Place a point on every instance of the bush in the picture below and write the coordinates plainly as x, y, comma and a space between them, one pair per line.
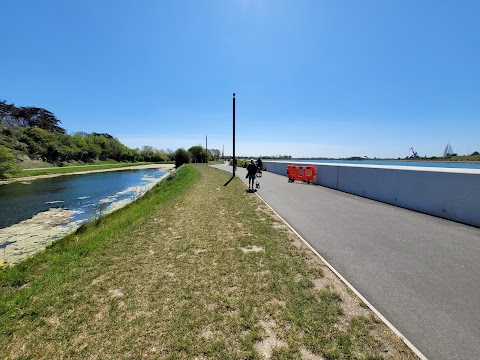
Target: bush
243, 163
8, 163
181, 157
240, 162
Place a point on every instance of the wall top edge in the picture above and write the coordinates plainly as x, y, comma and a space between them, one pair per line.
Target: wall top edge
389, 167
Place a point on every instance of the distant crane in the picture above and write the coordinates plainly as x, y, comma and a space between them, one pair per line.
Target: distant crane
415, 155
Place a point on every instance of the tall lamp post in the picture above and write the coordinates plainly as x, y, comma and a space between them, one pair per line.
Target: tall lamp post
234, 159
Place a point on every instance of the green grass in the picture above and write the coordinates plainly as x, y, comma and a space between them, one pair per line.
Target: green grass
474, 158
194, 269
72, 169
466, 158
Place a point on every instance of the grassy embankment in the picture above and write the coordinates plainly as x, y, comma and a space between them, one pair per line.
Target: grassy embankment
191, 270
455, 158
73, 169
467, 158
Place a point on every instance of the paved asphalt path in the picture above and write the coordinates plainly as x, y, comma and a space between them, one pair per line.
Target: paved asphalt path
420, 272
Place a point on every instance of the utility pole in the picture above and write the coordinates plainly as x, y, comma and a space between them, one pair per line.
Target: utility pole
206, 149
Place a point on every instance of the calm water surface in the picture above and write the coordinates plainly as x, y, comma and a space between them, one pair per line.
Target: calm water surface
445, 164
21, 200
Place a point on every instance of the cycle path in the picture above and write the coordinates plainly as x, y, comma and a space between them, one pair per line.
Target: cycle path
422, 273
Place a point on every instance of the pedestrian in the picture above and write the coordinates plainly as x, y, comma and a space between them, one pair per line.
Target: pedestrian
251, 172
259, 167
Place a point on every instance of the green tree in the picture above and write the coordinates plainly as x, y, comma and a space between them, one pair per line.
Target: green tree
134, 155
147, 152
93, 150
81, 147
161, 155
15, 139
38, 142
197, 154
43, 119
170, 154
35, 132
181, 157
101, 141
8, 163
13, 116
6, 118
114, 149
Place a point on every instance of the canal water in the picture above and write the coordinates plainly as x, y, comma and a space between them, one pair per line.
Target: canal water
35, 213
83, 193
435, 164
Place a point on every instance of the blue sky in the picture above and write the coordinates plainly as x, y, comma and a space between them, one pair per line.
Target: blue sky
332, 78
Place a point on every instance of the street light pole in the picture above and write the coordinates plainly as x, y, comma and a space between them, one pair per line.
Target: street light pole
234, 159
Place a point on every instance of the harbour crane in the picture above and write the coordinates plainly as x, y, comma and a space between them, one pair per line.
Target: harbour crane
415, 155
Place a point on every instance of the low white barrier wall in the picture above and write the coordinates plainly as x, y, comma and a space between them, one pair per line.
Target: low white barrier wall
444, 192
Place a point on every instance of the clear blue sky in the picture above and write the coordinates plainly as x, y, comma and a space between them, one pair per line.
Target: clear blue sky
332, 78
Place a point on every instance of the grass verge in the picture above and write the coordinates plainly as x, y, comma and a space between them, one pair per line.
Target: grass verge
73, 169
192, 270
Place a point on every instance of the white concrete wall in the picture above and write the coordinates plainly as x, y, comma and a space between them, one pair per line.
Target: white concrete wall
444, 192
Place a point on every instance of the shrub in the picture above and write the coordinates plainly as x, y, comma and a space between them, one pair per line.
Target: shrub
8, 163
181, 157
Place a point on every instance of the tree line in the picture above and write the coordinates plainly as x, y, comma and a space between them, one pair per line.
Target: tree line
35, 133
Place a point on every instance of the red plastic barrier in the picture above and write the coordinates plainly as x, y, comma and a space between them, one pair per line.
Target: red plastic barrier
304, 173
